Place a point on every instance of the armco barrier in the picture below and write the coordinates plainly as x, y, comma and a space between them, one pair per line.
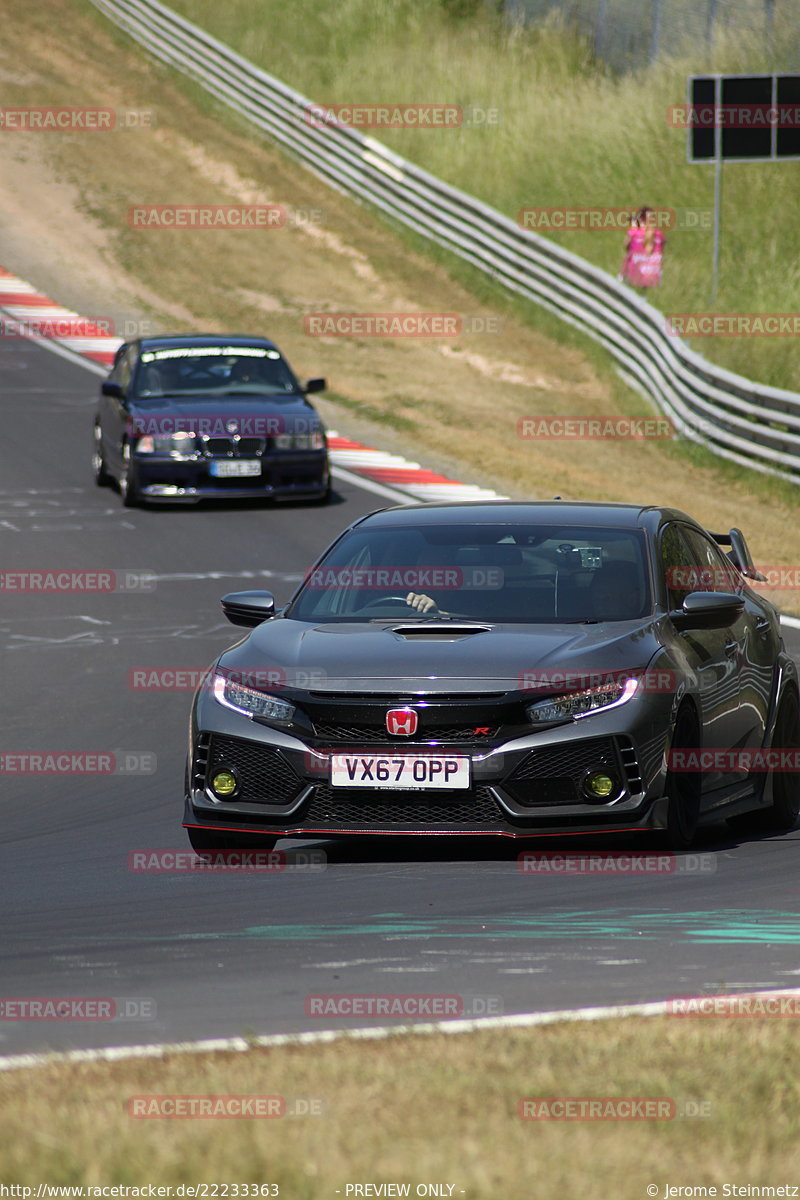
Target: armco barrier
752, 424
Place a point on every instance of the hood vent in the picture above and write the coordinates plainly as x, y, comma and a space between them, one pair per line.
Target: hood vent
444, 631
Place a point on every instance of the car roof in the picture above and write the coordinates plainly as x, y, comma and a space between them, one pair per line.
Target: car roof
517, 512
204, 339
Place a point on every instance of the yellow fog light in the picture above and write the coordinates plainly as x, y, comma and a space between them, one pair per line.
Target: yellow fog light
599, 786
224, 783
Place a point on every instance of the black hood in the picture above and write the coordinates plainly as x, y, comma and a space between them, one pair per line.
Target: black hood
438, 656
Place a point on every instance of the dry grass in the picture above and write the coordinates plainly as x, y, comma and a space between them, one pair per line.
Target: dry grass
452, 403
434, 1108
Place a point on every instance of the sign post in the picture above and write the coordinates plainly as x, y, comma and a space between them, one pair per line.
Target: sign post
742, 118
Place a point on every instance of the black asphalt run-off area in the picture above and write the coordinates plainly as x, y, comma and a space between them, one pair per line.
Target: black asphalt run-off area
200, 955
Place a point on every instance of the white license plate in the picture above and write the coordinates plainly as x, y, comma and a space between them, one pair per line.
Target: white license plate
407, 771
227, 468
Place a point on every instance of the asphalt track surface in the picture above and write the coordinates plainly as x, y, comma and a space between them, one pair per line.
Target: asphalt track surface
198, 955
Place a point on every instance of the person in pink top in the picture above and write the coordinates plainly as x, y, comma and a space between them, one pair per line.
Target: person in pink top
644, 251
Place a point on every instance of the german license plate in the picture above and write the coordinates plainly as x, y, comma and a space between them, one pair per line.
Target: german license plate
228, 468
406, 771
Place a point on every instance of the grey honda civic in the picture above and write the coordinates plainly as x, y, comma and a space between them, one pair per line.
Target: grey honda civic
503, 668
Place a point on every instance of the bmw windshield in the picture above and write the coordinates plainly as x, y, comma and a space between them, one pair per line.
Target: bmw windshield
525, 574
213, 371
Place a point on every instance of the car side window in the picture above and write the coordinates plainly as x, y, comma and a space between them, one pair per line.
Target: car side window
716, 573
679, 565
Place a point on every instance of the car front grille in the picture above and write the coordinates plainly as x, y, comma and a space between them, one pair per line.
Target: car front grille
377, 733
409, 809
265, 777
553, 775
236, 447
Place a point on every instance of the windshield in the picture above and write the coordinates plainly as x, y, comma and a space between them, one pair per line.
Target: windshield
213, 371
500, 573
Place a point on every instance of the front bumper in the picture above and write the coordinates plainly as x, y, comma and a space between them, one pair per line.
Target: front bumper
530, 786
284, 475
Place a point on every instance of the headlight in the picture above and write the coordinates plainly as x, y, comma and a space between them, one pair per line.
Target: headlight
178, 445
300, 441
582, 704
249, 701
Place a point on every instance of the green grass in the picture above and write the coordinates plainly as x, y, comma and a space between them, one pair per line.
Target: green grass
413, 1110
569, 132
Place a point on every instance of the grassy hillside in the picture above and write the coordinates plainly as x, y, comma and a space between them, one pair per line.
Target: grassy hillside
567, 133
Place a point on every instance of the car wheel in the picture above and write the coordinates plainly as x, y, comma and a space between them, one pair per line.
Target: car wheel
213, 839
682, 788
782, 814
127, 481
101, 475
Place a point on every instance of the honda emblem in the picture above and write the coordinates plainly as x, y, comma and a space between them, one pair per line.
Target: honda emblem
401, 722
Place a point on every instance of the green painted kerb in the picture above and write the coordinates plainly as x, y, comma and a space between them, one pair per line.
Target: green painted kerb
767, 926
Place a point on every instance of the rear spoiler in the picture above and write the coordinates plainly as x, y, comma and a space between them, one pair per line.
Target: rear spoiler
739, 553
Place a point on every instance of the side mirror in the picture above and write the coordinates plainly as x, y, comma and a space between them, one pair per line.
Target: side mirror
315, 385
112, 389
248, 608
708, 610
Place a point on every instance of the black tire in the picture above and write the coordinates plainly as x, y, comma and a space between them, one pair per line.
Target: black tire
683, 788
127, 480
203, 840
782, 814
101, 475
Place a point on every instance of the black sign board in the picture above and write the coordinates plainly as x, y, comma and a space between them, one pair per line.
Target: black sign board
745, 118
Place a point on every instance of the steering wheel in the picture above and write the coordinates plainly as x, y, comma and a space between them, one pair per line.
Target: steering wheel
384, 600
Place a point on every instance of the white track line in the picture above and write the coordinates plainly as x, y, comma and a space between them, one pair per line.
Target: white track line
656, 1008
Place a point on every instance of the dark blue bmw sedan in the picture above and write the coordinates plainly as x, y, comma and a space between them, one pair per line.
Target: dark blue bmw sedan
200, 416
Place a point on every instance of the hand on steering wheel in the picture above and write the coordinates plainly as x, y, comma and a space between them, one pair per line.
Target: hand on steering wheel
415, 600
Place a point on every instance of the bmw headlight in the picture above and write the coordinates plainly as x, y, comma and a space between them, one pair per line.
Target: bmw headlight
301, 441
583, 703
177, 445
250, 702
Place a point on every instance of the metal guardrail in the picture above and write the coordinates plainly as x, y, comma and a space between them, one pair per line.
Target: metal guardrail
750, 423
